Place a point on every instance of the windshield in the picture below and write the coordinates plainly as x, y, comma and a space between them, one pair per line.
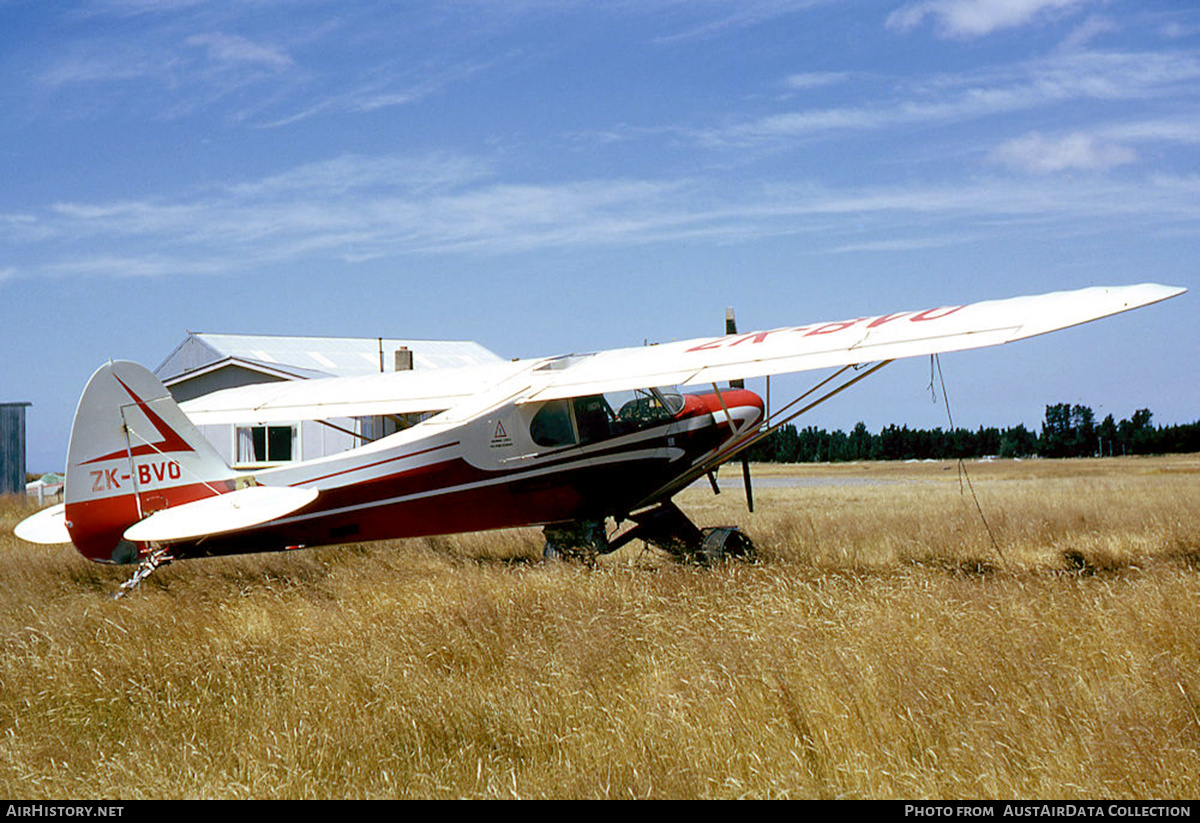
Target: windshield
645, 405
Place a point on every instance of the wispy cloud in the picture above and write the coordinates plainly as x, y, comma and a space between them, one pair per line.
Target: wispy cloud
1073, 152
167, 62
815, 79
358, 173
1183, 129
86, 66
977, 18
716, 22
162, 77
152, 265
1093, 27
1058, 79
232, 48
356, 208
384, 88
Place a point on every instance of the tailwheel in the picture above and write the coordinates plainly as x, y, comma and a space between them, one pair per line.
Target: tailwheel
155, 557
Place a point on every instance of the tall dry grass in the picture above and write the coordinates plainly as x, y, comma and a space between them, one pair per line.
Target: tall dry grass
884, 646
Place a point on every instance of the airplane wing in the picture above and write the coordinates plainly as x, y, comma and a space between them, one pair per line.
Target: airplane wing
681, 363
838, 343
326, 398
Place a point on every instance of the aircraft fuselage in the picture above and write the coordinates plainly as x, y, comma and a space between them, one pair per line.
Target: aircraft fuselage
492, 472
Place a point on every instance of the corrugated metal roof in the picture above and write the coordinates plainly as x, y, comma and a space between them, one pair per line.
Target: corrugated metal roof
323, 356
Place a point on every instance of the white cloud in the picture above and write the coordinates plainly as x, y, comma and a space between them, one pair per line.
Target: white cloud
1087, 31
356, 208
132, 266
815, 79
952, 98
232, 48
1073, 152
745, 14
1183, 129
83, 66
976, 18
339, 175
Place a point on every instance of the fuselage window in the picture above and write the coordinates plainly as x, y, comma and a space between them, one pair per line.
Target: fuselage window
552, 425
592, 419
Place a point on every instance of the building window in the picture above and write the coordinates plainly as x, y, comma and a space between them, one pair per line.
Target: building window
266, 444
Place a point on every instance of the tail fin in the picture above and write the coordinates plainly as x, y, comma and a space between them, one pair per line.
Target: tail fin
132, 452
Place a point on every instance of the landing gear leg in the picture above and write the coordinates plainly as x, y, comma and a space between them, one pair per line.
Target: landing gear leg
668, 528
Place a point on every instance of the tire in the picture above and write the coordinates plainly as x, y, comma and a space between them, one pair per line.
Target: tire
725, 543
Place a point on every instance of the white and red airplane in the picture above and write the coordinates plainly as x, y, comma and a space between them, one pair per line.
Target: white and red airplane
568, 443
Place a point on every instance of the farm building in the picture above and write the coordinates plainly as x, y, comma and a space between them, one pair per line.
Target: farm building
205, 363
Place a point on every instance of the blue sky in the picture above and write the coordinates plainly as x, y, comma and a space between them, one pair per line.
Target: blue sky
557, 176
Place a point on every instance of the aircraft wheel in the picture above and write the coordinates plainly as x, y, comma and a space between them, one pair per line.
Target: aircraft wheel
725, 543
582, 540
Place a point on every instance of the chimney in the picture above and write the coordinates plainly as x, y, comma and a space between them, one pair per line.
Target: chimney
404, 359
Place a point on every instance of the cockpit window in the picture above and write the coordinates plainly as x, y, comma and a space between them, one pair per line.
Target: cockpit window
598, 417
646, 405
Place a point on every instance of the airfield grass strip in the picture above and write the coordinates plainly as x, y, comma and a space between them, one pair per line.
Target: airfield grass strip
880, 647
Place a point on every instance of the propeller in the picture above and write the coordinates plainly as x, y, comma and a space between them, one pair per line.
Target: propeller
731, 328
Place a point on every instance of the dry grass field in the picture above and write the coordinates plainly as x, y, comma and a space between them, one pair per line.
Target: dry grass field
884, 646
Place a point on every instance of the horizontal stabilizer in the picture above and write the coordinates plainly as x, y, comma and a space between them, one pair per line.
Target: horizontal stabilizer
251, 506
48, 526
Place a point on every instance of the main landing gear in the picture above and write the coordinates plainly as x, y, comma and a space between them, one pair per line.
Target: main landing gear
663, 526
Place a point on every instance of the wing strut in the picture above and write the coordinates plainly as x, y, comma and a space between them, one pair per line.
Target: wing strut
730, 449
770, 427
740, 384
344, 430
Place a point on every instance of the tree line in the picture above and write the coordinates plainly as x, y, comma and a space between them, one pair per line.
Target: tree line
1067, 431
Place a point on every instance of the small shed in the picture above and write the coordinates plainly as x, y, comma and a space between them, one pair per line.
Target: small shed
12, 448
204, 363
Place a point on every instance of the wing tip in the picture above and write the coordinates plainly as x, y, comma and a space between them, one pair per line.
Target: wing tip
1149, 293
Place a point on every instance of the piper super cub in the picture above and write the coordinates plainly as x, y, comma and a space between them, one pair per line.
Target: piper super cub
565, 442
